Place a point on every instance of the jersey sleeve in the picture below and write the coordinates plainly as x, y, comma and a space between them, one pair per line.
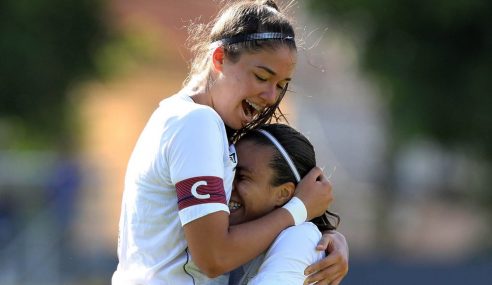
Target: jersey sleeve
289, 255
196, 161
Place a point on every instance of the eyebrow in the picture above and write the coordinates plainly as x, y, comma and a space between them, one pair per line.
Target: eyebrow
241, 168
271, 71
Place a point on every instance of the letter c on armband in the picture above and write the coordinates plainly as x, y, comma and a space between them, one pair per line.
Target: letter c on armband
195, 193
211, 188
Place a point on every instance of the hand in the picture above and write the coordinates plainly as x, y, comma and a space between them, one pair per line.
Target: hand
315, 192
333, 268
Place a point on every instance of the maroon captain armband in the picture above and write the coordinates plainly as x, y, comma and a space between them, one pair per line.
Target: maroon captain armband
200, 190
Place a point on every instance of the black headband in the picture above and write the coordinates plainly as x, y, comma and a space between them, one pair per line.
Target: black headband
253, 37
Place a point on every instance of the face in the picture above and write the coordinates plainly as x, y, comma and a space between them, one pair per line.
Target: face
252, 195
244, 88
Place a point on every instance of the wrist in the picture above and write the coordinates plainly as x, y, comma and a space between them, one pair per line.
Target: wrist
297, 210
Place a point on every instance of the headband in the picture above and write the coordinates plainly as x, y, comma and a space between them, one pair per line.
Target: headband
253, 37
283, 152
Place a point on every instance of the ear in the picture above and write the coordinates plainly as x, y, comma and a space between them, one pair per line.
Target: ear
218, 58
283, 193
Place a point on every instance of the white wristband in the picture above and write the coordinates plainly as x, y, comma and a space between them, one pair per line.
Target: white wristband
297, 209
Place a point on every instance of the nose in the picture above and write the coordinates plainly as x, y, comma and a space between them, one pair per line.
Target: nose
270, 95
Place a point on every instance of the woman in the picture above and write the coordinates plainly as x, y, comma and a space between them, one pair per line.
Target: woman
271, 162
174, 224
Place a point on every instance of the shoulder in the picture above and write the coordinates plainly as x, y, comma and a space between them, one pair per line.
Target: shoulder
183, 109
307, 232
289, 255
179, 118
298, 242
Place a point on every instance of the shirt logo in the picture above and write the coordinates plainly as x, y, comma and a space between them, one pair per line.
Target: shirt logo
195, 193
232, 154
232, 157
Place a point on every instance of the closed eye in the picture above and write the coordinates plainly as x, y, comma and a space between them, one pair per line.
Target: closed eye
260, 78
240, 176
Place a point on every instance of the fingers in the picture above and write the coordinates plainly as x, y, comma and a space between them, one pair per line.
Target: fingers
327, 276
337, 281
314, 173
330, 270
318, 174
323, 264
315, 192
322, 178
325, 243
338, 244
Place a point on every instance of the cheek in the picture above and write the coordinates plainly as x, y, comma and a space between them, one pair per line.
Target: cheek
235, 81
250, 196
244, 86
258, 202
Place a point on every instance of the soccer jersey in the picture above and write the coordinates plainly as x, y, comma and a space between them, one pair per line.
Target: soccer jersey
285, 260
181, 169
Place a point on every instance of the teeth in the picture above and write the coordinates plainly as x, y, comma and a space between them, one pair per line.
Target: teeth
233, 205
256, 107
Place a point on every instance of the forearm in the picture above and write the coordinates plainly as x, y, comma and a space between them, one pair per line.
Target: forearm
217, 248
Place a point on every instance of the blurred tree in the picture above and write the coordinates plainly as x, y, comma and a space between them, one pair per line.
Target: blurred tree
45, 46
434, 59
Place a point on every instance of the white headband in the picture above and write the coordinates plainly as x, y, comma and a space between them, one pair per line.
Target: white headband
283, 152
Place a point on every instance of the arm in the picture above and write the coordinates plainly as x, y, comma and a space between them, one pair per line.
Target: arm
288, 256
217, 248
332, 269
196, 153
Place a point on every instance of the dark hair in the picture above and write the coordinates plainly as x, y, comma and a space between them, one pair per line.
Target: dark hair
239, 19
302, 154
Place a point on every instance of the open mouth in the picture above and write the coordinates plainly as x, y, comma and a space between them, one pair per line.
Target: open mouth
251, 109
234, 206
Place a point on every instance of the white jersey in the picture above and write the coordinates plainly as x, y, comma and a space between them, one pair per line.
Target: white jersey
285, 260
181, 169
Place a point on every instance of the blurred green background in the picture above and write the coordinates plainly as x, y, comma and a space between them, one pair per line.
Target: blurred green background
395, 95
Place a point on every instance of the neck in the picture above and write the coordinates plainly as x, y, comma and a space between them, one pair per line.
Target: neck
199, 91
230, 133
